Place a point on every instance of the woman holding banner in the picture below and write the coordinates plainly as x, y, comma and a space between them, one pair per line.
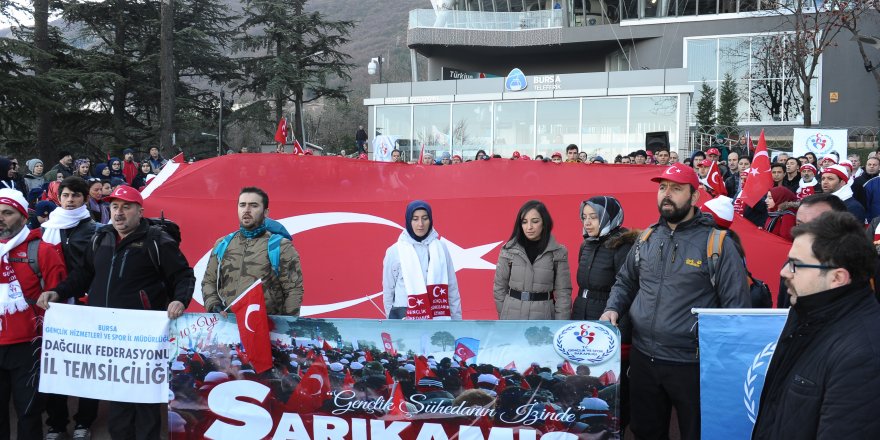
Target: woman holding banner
532, 279
418, 278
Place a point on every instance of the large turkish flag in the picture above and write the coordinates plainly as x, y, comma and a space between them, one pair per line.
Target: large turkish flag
344, 213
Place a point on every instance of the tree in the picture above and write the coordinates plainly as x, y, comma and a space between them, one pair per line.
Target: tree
727, 102
443, 339
539, 335
289, 54
706, 108
815, 30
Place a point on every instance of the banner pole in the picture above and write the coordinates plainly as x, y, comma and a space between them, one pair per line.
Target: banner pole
699, 311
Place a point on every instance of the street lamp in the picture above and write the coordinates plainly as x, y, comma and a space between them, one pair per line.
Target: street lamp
375, 64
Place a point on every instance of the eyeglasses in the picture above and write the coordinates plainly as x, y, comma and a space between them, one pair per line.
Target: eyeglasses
793, 266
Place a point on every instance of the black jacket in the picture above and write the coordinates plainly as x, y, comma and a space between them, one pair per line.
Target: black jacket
598, 263
74, 243
671, 278
824, 378
124, 276
858, 188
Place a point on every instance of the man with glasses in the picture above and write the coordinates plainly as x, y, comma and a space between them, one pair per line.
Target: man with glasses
824, 377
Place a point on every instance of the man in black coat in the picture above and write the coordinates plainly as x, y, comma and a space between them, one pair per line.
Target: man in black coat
824, 378
130, 265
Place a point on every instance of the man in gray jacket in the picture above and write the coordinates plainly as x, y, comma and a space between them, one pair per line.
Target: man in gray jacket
665, 275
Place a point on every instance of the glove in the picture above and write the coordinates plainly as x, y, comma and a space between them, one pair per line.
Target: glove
217, 309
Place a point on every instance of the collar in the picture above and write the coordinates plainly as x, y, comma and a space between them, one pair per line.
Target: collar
809, 306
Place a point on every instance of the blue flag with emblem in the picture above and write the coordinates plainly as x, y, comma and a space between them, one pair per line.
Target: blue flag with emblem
735, 348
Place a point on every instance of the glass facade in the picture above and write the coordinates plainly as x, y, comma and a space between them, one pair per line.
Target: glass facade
764, 76
646, 9
607, 126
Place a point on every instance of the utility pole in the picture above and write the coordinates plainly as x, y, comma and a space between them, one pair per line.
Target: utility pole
44, 144
166, 78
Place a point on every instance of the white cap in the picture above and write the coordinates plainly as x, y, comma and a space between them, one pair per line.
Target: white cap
357, 366
177, 366
215, 376
336, 366
487, 378
410, 367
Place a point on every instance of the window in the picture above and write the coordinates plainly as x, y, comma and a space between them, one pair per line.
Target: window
605, 127
431, 128
557, 126
764, 76
471, 128
394, 121
514, 128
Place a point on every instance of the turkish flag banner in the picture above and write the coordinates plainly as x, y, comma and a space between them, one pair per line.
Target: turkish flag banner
386, 341
297, 148
281, 131
759, 179
439, 301
715, 181
253, 326
312, 390
463, 352
363, 202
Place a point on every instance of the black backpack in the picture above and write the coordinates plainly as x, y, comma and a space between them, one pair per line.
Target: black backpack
760, 293
157, 226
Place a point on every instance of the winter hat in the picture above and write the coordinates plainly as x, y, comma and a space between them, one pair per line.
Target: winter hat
336, 366
807, 167
410, 368
127, 151
31, 164
721, 209
216, 377
15, 199
410, 210
487, 379
44, 207
846, 164
516, 155
610, 214
556, 154
839, 171
357, 366
79, 162
445, 156
429, 384
830, 157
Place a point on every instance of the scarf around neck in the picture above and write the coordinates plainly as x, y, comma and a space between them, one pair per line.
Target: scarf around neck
253, 233
60, 219
11, 296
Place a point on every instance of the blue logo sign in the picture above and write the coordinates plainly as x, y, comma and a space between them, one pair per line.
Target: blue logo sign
515, 81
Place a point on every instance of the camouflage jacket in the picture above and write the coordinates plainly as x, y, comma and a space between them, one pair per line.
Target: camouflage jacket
246, 261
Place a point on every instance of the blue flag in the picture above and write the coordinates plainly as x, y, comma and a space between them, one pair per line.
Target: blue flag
466, 349
735, 350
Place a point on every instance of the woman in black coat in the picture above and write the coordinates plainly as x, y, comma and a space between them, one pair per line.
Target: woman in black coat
605, 246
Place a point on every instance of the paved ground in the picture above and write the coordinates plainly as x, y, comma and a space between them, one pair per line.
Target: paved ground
99, 429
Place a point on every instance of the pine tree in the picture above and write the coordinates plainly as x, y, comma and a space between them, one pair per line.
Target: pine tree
728, 99
705, 114
291, 55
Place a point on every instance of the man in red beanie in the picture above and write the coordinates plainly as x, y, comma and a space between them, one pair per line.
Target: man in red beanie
670, 260
20, 321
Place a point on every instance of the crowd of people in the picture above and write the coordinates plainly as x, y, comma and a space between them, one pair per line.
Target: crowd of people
689, 257
349, 382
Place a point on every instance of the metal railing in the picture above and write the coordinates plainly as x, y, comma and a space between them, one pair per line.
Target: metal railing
504, 21
778, 138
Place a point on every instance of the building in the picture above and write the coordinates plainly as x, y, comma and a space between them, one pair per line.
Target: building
605, 74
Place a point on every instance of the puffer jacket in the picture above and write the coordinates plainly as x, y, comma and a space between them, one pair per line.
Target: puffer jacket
672, 277
598, 263
549, 273
824, 377
247, 261
393, 291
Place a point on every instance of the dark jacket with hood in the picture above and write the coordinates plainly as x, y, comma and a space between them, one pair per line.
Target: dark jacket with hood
824, 378
9, 182
121, 274
671, 278
598, 263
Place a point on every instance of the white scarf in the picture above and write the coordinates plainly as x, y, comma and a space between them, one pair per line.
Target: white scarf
421, 304
844, 193
11, 296
60, 219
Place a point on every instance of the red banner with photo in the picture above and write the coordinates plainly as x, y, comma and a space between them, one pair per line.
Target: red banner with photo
345, 213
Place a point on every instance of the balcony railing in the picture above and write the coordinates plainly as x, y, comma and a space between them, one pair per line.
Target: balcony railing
502, 21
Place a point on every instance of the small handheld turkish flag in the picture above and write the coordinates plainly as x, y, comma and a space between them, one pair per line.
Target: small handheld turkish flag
313, 389
253, 326
297, 148
759, 179
715, 180
281, 131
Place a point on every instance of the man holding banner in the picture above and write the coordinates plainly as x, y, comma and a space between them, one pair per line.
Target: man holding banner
20, 322
131, 265
824, 378
668, 272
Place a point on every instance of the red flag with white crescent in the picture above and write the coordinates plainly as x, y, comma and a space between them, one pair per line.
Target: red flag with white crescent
715, 180
253, 326
281, 131
312, 390
389, 347
297, 148
463, 352
759, 179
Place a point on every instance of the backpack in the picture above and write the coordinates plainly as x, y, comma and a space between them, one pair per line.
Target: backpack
33, 250
758, 291
274, 251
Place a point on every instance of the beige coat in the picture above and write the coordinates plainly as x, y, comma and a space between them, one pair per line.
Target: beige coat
549, 273
246, 261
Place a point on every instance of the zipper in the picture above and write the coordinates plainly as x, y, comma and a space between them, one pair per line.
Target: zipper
109, 277
122, 266
659, 290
